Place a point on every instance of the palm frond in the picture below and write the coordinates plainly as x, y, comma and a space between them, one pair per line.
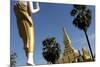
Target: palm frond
73, 12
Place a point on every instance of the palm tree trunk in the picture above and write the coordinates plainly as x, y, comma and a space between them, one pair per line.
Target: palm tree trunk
89, 44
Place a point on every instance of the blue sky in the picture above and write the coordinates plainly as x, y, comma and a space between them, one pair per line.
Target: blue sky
49, 22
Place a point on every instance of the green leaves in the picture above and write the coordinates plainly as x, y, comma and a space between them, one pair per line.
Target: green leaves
80, 7
13, 57
73, 12
82, 16
51, 50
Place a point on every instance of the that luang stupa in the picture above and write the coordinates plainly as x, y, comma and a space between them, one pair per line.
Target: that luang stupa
71, 54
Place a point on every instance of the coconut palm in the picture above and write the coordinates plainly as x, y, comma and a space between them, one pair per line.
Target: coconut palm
51, 50
82, 20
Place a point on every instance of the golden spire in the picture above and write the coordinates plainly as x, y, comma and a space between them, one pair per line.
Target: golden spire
66, 39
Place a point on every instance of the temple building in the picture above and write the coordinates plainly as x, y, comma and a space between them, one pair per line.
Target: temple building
86, 55
70, 54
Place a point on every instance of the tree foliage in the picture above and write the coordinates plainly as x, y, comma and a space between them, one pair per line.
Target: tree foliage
51, 50
13, 57
82, 16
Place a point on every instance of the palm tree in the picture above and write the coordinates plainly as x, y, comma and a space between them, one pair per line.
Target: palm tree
82, 19
51, 50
